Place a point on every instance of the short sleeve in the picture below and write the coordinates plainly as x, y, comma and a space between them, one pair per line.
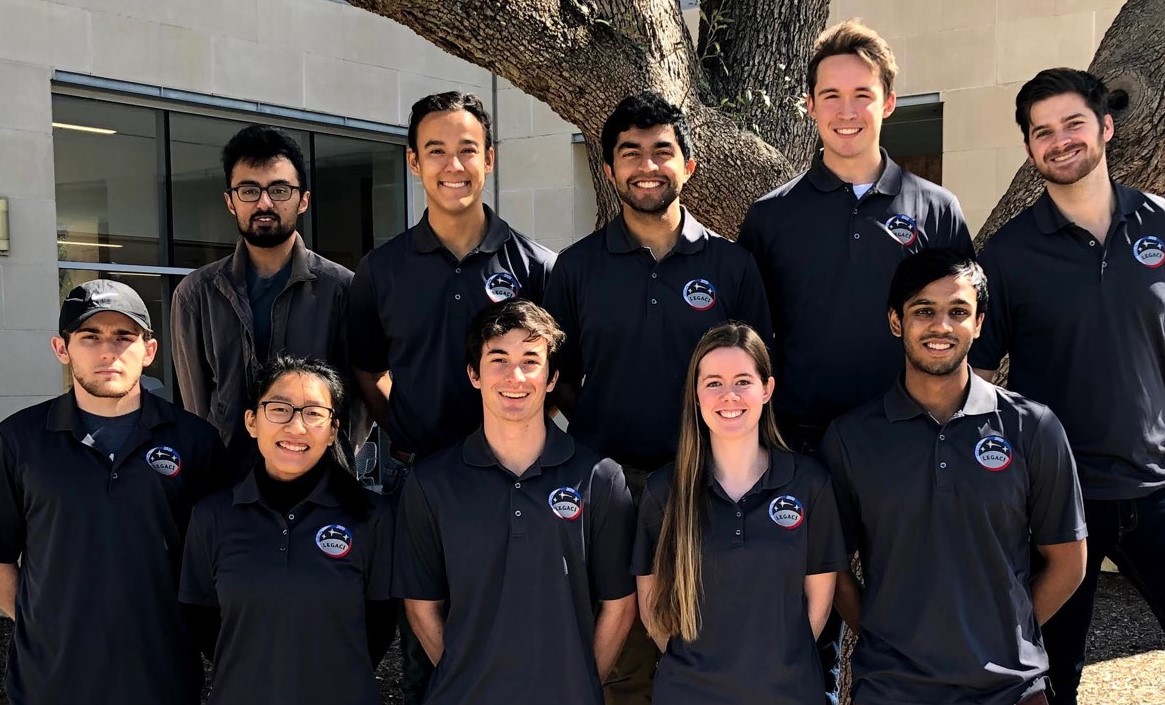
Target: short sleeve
378, 575
418, 571
612, 535
753, 304
196, 586
848, 511
560, 303
647, 530
1055, 502
12, 520
995, 339
953, 226
826, 542
367, 342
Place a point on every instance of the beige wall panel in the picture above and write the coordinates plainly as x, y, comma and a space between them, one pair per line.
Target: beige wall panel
351, 89
253, 71
38, 32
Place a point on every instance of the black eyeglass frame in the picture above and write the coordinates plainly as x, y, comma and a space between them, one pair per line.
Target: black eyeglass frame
264, 190
298, 410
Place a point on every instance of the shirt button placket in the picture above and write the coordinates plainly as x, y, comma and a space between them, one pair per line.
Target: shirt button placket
517, 525
943, 480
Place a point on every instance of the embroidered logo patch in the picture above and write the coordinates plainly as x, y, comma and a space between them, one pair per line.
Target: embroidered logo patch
165, 460
501, 286
1149, 251
786, 512
334, 540
566, 503
903, 228
700, 294
993, 453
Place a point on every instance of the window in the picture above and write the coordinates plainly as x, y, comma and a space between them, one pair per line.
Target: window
140, 198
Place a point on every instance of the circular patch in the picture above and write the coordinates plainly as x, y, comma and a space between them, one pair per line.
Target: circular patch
1150, 251
786, 512
903, 228
993, 453
567, 503
501, 286
334, 540
700, 294
165, 460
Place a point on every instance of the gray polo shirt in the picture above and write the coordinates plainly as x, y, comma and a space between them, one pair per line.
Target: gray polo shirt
1085, 326
631, 324
520, 562
827, 259
755, 645
944, 518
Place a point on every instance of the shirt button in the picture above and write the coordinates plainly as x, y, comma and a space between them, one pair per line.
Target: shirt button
518, 512
654, 275
1103, 265
285, 532
855, 211
457, 297
738, 532
114, 476
1092, 243
942, 465
654, 302
291, 517
282, 549
457, 271
517, 485
738, 514
941, 437
857, 236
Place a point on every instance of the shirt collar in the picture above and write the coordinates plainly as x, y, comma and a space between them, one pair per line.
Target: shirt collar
247, 491
497, 232
981, 399
300, 266
780, 472
692, 237
65, 415
889, 183
558, 450
1051, 220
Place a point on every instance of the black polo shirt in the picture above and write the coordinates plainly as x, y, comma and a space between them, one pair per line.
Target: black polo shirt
411, 304
631, 324
291, 592
755, 645
944, 518
100, 546
520, 562
1085, 326
827, 259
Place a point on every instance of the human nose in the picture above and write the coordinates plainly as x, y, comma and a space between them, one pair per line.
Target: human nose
265, 199
517, 374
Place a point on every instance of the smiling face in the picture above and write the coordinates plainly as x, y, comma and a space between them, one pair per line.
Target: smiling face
292, 448
106, 355
731, 392
649, 169
266, 223
451, 160
938, 325
1066, 141
849, 104
515, 377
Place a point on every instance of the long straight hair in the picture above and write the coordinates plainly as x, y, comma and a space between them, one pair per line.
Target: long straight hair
674, 607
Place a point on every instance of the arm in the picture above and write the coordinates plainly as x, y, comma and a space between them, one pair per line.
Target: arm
374, 389
847, 600
645, 587
819, 596
611, 627
559, 302
9, 577
380, 627
1062, 574
194, 378
988, 375
427, 619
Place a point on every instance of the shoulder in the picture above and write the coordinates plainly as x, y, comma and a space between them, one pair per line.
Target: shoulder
30, 419
871, 412
439, 465
327, 269
774, 199
391, 252
188, 424
727, 251
659, 482
808, 469
192, 284
582, 250
534, 250
1025, 411
1012, 234
208, 510
929, 191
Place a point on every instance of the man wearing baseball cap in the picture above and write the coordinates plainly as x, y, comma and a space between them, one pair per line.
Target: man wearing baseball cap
96, 488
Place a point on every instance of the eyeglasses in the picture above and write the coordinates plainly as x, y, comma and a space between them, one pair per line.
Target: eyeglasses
282, 412
250, 193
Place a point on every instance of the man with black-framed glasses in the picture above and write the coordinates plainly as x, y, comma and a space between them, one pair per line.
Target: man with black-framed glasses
271, 295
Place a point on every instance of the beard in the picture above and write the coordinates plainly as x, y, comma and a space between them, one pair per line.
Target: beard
1090, 159
266, 236
653, 204
938, 368
103, 389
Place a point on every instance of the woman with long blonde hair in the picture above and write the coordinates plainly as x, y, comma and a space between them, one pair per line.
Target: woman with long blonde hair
738, 544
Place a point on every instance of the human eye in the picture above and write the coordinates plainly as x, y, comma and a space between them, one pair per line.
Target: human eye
315, 413
279, 190
248, 191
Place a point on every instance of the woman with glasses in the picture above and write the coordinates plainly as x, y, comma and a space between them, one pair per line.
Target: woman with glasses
738, 542
289, 572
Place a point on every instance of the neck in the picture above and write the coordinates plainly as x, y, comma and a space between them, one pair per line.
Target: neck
460, 233
1089, 203
941, 396
860, 169
108, 406
737, 463
516, 444
658, 232
267, 261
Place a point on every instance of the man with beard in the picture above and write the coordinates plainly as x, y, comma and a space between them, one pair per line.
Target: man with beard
634, 298
272, 295
1078, 300
96, 488
946, 486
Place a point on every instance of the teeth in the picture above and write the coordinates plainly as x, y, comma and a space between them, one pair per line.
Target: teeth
848, 130
514, 395
296, 447
731, 414
649, 184
455, 184
938, 346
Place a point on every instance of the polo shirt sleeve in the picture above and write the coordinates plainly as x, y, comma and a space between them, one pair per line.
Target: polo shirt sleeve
954, 231
1055, 502
826, 552
834, 453
12, 525
612, 534
378, 575
367, 342
196, 586
995, 339
560, 303
752, 305
647, 529
419, 558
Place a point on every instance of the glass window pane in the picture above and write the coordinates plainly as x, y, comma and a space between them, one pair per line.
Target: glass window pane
108, 185
204, 230
155, 290
358, 196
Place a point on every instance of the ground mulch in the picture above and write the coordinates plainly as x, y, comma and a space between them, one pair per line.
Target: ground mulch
1126, 652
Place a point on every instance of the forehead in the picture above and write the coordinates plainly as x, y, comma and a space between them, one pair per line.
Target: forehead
450, 126
515, 341
1058, 107
947, 289
277, 169
108, 321
647, 135
727, 361
847, 71
300, 389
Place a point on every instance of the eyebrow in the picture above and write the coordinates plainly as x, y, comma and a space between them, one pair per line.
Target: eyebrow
661, 144
928, 302
441, 143
1073, 116
116, 331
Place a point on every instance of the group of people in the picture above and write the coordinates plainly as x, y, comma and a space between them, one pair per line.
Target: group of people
742, 421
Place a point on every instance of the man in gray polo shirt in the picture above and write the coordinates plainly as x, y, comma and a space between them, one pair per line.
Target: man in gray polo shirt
944, 486
1078, 300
